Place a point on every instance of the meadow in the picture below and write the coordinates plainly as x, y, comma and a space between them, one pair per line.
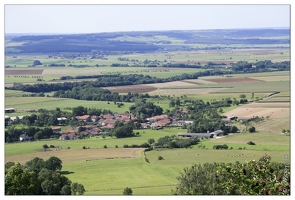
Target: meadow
126, 167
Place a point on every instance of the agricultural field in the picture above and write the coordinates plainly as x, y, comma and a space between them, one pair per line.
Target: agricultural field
105, 167
128, 167
24, 105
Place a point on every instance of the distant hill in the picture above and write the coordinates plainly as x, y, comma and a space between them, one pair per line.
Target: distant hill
141, 41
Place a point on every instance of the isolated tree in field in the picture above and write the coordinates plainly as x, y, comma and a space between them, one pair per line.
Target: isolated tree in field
252, 129
127, 191
36, 62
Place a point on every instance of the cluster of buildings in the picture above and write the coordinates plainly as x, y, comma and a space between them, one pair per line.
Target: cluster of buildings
97, 125
107, 122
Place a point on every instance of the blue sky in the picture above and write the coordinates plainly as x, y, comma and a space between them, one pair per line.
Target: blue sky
110, 18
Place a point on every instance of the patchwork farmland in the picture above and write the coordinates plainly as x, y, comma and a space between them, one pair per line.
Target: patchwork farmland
106, 164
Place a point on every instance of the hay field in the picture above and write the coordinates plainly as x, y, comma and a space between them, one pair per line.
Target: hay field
279, 115
72, 155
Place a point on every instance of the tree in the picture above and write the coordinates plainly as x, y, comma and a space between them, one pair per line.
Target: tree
66, 190
127, 191
36, 164
79, 111
242, 96
77, 189
151, 140
257, 177
177, 102
52, 182
36, 62
53, 163
252, 129
20, 181
251, 178
172, 103
200, 180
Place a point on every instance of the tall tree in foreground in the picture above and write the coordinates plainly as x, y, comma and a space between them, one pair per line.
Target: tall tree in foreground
251, 178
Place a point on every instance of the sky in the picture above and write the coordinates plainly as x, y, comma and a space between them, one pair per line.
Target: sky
52, 18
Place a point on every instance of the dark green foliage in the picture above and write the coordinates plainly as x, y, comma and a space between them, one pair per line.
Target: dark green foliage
143, 110
122, 131
20, 181
77, 189
160, 158
251, 143
220, 146
251, 178
36, 62
200, 180
174, 142
151, 140
252, 129
36, 164
35, 178
53, 163
127, 191
257, 177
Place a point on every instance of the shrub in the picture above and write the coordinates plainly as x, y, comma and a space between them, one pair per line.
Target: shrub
105, 146
252, 129
125, 146
251, 143
146, 160
220, 146
116, 146
160, 158
127, 191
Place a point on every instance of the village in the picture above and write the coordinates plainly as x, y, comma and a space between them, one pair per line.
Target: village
102, 125
99, 126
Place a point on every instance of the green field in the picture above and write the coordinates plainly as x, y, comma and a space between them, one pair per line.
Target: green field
25, 104
158, 177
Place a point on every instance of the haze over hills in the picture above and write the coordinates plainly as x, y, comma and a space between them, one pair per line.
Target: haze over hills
143, 41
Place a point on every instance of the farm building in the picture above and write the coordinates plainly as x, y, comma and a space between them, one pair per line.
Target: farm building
14, 118
7, 119
202, 135
61, 120
9, 110
24, 137
56, 129
85, 118
197, 135
188, 121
